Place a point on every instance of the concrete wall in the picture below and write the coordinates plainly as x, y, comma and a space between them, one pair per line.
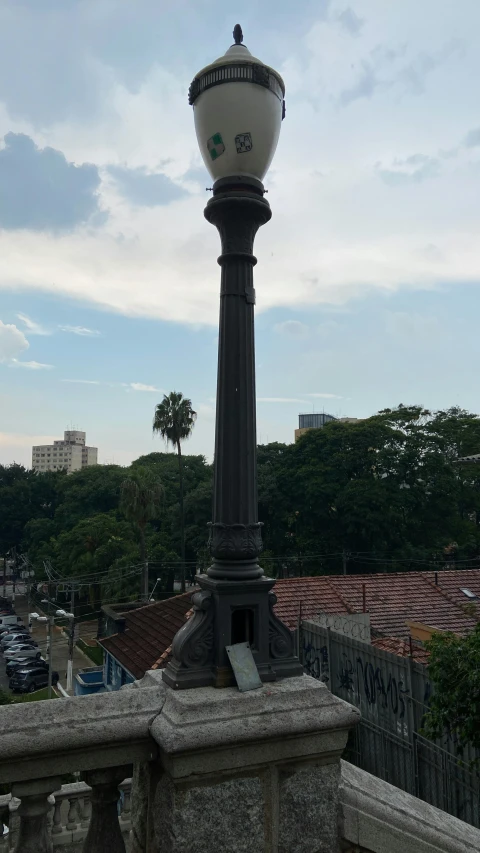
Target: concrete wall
378, 818
355, 625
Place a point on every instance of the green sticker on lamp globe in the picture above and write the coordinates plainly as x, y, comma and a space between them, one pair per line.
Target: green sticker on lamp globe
215, 145
243, 142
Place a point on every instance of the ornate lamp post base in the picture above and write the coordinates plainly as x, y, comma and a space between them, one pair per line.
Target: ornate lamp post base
226, 612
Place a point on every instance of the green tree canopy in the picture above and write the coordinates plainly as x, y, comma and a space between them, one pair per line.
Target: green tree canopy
386, 491
454, 667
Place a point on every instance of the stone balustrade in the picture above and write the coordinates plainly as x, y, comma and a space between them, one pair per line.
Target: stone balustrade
212, 770
102, 736
68, 818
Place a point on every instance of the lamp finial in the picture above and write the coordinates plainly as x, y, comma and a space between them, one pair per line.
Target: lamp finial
237, 34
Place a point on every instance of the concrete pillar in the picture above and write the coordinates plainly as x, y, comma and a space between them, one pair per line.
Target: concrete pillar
255, 772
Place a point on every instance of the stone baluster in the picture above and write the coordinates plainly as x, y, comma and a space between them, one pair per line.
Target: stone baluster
126, 789
104, 831
4, 839
33, 836
57, 815
72, 814
85, 810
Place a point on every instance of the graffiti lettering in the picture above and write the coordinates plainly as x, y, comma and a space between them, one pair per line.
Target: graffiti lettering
370, 683
315, 662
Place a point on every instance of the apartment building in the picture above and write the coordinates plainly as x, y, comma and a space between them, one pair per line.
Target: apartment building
71, 454
317, 420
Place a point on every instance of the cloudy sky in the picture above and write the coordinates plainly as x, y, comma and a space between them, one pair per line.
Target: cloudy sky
369, 272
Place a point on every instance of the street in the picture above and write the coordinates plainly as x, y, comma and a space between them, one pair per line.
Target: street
59, 647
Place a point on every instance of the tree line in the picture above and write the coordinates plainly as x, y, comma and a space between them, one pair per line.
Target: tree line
381, 494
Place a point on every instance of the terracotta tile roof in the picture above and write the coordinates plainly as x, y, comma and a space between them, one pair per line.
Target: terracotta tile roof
452, 581
398, 646
394, 597
308, 597
149, 632
391, 599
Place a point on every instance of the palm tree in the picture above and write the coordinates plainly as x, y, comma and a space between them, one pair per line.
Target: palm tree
174, 419
141, 498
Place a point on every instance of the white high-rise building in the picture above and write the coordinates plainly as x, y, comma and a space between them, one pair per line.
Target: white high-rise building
70, 455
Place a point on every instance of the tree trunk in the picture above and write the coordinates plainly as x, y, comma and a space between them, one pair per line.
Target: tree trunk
182, 517
144, 562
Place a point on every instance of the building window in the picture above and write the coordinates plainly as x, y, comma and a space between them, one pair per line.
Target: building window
314, 420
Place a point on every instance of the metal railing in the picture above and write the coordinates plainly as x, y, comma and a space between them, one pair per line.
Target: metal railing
392, 693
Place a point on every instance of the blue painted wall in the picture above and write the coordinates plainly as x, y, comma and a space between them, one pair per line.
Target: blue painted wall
114, 675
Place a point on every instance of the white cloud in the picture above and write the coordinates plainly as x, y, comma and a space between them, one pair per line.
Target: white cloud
12, 342
292, 328
33, 328
326, 396
82, 381
279, 400
80, 330
30, 365
140, 386
14, 439
324, 245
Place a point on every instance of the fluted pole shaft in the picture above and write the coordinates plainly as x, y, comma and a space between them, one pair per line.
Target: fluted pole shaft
235, 533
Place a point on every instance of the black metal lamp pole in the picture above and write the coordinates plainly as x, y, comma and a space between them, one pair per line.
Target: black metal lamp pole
236, 601
238, 208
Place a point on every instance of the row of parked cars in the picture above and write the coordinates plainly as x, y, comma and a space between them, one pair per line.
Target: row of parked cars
26, 669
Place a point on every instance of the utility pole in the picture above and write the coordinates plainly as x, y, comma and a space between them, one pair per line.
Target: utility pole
344, 557
50, 637
51, 622
71, 641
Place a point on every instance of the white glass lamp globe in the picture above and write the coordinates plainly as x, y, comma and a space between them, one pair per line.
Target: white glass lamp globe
238, 105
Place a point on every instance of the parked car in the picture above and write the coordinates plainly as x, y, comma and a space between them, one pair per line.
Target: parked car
29, 680
23, 651
20, 641
16, 637
13, 637
24, 663
14, 632
17, 629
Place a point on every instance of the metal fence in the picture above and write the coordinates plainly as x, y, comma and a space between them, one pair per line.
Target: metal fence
392, 694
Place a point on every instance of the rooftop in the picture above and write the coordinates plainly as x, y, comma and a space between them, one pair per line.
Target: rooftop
391, 599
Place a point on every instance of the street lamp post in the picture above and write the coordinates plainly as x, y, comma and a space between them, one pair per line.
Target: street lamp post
151, 598
50, 619
238, 109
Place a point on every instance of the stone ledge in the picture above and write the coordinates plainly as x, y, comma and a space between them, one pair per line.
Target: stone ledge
44, 739
376, 816
207, 730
